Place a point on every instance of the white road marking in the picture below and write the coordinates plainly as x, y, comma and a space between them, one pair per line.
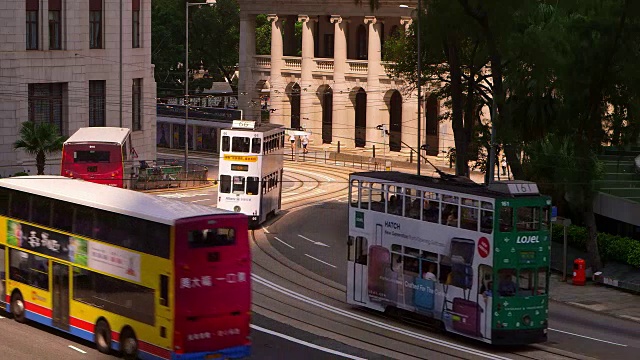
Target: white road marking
313, 241
1, 317
587, 337
265, 230
329, 179
181, 195
373, 322
316, 259
195, 201
301, 342
78, 350
284, 242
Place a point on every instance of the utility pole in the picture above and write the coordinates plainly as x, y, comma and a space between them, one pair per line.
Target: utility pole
419, 84
121, 72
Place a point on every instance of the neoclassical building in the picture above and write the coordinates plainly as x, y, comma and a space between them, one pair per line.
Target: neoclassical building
334, 83
60, 63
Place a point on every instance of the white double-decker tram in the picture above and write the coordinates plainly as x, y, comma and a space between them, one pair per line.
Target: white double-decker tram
251, 163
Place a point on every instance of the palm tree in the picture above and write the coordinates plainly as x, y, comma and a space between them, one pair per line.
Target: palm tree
39, 140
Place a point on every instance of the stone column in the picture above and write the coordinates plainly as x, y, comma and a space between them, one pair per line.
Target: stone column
375, 97
277, 82
307, 93
248, 95
344, 129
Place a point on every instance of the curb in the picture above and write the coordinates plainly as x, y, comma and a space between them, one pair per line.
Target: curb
179, 189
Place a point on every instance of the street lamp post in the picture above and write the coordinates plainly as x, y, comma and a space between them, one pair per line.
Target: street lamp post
418, 147
186, 81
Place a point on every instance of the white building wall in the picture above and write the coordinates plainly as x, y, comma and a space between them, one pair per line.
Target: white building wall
75, 65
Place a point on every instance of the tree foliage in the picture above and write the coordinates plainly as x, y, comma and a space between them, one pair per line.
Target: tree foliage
39, 139
214, 34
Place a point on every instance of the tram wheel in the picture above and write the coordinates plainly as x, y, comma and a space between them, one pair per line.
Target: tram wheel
102, 336
128, 344
17, 307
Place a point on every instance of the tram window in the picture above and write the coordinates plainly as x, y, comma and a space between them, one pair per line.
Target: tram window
40, 210
525, 282
486, 218
364, 195
546, 217
240, 144
450, 215
255, 145
396, 262
507, 282
396, 200
469, 218
430, 207
355, 194
542, 281
412, 207
362, 247
19, 205
528, 218
253, 185
411, 266
225, 143
238, 184
506, 219
4, 201
377, 197
225, 184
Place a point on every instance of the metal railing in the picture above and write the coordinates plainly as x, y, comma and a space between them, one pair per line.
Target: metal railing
167, 174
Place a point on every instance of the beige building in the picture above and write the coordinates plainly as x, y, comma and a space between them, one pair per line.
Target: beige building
334, 83
60, 63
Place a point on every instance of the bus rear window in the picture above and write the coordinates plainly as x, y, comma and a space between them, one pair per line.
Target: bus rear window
212, 238
91, 156
240, 144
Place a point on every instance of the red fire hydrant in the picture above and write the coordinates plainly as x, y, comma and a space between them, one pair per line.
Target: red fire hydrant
579, 272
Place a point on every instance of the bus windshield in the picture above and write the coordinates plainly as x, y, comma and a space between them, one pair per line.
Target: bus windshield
91, 156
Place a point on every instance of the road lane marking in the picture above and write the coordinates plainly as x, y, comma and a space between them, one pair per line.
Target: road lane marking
284, 242
301, 342
195, 201
588, 337
373, 322
78, 350
316, 259
313, 241
329, 179
265, 230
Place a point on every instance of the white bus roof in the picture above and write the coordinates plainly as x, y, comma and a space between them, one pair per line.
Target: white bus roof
121, 201
111, 135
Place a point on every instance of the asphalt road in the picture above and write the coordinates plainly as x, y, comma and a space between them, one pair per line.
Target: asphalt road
315, 238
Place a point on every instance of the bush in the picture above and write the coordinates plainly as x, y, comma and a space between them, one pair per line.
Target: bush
20, 173
612, 247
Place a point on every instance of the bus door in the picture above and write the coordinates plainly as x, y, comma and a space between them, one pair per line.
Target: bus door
2, 276
60, 295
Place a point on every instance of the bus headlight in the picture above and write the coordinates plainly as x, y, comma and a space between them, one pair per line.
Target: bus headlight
236, 208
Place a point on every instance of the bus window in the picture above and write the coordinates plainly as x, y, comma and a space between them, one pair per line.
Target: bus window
225, 184
19, 205
83, 222
164, 290
255, 145
364, 195
91, 156
355, 194
528, 218
62, 215
486, 218
2, 273
41, 210
253, 185
507, 282
212, 238
4, 201
29, 269
546, 217
542, 281
525, 282
225, 143
238, 184
240, 144
506, 219
377, 197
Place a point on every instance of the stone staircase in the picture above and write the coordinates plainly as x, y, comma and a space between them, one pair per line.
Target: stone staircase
620, 178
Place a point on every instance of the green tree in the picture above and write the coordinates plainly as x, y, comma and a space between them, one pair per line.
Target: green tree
213, 43
39, 139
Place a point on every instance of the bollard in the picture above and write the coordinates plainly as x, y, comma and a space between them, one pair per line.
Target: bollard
374, 151
411, 157
338, 147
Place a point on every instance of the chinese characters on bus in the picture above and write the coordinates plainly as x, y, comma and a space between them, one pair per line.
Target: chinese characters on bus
207, 281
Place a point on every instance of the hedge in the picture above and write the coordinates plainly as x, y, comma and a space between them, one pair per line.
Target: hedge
612, 247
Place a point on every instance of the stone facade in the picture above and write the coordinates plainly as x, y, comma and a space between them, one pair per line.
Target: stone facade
74, 65
337, 86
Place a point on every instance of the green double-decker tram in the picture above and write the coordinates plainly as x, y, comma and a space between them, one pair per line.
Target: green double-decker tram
474, 258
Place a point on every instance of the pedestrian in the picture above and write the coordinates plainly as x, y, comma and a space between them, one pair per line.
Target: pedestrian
292, 140
305, 142
504, 165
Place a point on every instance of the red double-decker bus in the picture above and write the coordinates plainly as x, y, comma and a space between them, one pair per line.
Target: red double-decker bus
101, 155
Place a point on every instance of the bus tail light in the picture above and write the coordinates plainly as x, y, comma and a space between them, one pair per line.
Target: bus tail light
178, 343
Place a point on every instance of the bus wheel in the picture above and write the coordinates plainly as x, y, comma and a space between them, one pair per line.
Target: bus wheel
17, 307
102, 337
129, 344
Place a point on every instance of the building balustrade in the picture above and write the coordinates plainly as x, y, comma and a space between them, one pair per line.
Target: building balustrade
358, 66
292, 62
263, 61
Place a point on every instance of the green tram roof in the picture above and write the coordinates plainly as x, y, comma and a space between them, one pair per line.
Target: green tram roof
104, 197
497, 190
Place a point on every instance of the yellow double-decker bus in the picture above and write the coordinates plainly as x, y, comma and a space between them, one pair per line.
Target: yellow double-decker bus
151, 277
